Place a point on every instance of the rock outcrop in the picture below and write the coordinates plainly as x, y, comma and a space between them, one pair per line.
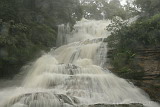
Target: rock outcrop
45, 99
117, 105
149, 60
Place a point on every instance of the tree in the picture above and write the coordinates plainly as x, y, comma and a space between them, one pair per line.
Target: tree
149, 7
115, 3
8, 10
29, 26
97, 9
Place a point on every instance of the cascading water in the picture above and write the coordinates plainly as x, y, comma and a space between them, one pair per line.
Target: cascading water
73, 74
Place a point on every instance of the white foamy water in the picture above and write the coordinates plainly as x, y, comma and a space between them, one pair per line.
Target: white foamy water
73, 74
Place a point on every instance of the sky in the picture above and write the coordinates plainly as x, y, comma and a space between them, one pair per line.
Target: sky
123, 2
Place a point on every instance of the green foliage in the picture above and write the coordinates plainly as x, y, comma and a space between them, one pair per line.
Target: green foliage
43, 35
114, 8
29, 26
126, 39
8, 10
150, 7
99, 9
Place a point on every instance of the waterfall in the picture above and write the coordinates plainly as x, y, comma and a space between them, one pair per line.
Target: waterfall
74, 75
63, 32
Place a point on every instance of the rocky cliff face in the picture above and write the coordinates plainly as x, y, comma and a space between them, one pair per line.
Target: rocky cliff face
148, 59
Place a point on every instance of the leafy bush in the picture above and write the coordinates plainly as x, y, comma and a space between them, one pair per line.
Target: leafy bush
126, 39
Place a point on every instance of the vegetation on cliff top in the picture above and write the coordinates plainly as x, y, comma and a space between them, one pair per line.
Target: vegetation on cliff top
128, 39
127, 42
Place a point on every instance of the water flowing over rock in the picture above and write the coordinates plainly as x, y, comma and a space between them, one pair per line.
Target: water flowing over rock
73, 75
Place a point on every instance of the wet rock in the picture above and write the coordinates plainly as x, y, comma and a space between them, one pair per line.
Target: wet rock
117, 105
41, 99
75, 100
105, 40
71, 69
66, 99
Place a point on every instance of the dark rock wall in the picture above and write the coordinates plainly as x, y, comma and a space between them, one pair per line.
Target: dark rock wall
148, 59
